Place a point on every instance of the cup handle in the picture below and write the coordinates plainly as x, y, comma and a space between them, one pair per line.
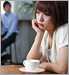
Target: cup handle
23, 62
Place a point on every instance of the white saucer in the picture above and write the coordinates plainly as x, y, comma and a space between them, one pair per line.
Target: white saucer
37, 70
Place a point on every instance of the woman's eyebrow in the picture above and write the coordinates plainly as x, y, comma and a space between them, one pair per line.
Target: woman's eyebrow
38, 10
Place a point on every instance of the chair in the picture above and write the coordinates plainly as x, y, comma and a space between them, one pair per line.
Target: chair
8, 57
10, 48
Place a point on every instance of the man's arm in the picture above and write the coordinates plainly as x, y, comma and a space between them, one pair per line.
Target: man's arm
12, 28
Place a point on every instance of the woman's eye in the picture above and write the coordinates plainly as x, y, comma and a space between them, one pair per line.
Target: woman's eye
46, 13
37, 12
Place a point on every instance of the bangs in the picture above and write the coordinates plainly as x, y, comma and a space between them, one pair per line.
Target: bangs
45, 7
41, 6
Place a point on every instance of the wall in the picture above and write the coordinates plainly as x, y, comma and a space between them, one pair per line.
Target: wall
24, 41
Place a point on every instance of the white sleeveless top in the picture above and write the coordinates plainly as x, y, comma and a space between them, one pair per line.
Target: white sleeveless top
60, 39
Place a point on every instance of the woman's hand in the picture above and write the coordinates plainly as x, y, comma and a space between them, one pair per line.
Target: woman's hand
43, 59
38, 28
43, 65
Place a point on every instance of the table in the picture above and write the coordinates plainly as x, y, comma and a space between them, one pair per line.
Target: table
14, 69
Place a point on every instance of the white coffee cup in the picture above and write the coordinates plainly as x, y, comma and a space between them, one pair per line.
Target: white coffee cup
31, 64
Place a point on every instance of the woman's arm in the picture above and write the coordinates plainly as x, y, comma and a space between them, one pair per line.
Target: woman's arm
35, 50
62, 62
34, 53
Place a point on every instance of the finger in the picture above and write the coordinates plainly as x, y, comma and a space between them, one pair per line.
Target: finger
33, 22
41, 28
35, 25
41, 66
42, 59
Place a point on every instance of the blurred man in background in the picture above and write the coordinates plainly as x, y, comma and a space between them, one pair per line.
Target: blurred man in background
9, 29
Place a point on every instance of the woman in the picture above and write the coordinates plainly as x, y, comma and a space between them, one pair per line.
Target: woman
51, 41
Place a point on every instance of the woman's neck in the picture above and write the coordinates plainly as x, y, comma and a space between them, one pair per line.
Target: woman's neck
50, 33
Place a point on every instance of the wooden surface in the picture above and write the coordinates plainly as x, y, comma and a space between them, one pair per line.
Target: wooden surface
14, 69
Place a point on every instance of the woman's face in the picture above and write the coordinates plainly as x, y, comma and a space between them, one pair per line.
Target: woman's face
45, 20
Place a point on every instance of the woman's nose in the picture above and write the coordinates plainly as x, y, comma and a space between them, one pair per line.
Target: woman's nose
41, 18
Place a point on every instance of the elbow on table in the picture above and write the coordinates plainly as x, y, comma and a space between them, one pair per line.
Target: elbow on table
63, 70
